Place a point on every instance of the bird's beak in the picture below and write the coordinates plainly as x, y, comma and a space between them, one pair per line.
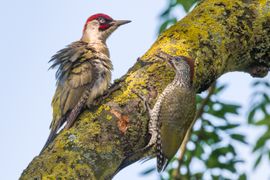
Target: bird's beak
120, 22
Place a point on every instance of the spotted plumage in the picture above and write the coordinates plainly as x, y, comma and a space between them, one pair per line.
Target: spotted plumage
172, 113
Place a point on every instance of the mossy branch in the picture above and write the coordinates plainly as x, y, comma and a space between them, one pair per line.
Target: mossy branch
219, 35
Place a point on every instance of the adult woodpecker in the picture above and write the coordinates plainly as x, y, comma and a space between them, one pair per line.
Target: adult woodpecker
84, 71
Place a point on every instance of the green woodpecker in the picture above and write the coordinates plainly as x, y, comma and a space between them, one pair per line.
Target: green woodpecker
173, 111
171, 116
84, 71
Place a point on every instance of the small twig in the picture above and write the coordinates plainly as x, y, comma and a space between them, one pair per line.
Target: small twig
199, 113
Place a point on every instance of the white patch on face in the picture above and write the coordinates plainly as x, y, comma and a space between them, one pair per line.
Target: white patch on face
92, 31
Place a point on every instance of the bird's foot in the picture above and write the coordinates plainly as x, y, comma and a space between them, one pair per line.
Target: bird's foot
152, 125
146, 105
153, 139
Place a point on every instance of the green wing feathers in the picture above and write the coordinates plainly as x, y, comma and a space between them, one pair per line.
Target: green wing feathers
73, 76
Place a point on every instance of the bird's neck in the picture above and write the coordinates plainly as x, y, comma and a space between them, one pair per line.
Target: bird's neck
100, 47
96, 43
183, 76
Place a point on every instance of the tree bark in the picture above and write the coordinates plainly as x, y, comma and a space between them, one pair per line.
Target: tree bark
219, 35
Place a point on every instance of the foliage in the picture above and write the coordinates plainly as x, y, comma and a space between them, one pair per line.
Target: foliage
259, 116
168, 18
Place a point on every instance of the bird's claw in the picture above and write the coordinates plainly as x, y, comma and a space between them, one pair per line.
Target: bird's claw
153, 139
145, 102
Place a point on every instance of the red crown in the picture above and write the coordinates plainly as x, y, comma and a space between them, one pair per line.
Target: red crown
96, 16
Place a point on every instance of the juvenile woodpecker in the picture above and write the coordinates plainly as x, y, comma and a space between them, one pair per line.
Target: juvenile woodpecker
173, 112
84, 71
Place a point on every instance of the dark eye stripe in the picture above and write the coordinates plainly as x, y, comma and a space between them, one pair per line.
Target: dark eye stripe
102, 20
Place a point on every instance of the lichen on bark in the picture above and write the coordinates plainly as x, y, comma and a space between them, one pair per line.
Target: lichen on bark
219, 35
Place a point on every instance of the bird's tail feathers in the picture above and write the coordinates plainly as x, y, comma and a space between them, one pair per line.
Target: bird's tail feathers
162, 161
53, 133
49, 139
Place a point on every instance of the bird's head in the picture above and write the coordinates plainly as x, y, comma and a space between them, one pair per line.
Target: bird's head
99, 27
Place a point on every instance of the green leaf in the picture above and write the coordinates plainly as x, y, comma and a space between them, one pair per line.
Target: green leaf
199, 150
164, 26
231, 108
258, 160
267, 84
187, 4
229, 126
167, 11
148, 171
198, 99
232, 150
243, 177
228, 166
198, 175
261, 82
266, 97
223, 110
215, 177
220, 88
222, 150
262, 141
265, 121
212, 162
251, 116
209, 137
239, 137
256, 83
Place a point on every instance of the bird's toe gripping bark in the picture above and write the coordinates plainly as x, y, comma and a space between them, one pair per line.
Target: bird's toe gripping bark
146, 105
152, 129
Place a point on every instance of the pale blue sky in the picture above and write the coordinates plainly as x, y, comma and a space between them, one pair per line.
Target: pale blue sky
32, 31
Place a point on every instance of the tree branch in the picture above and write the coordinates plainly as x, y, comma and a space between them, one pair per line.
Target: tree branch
219, 35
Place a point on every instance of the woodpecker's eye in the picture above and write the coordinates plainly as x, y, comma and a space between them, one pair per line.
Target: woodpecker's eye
101, 20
